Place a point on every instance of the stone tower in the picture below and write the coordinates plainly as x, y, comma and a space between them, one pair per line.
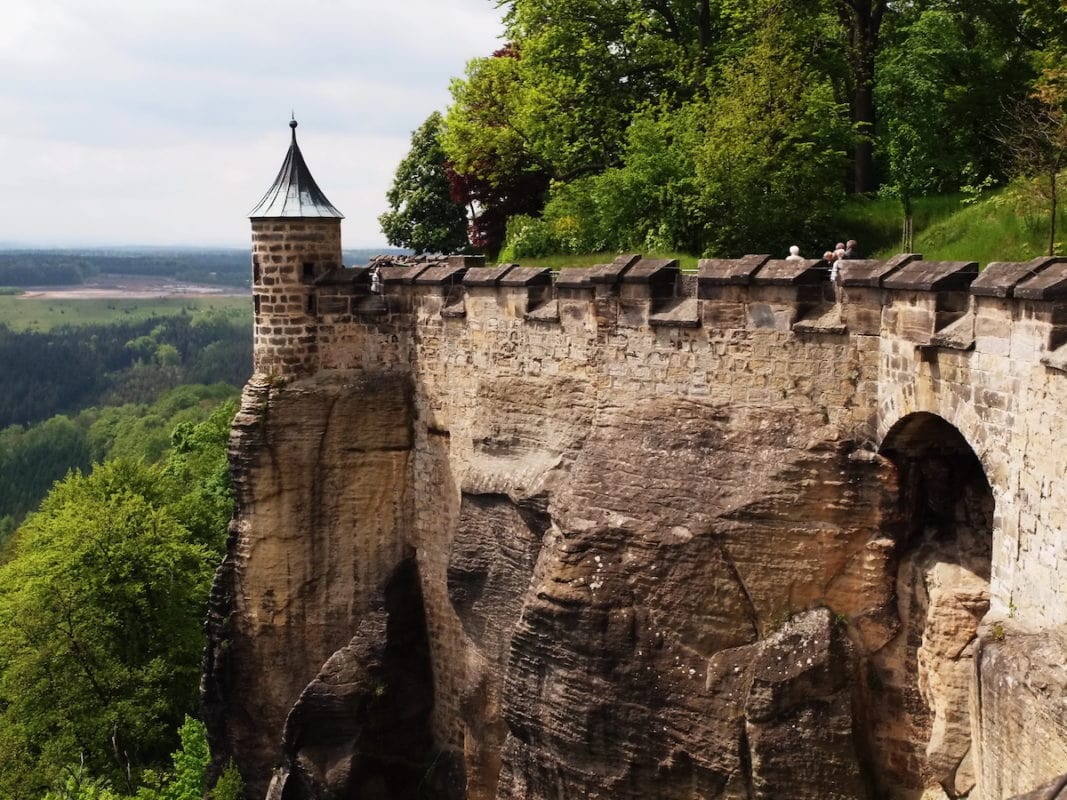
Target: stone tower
296, 238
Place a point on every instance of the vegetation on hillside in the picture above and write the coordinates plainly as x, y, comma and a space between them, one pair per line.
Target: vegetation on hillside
103, 591
69, 368
34, 457
723, 128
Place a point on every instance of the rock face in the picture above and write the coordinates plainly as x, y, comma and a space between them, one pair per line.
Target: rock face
636, 534
362, 727
1022, 693
320, 477
690, 612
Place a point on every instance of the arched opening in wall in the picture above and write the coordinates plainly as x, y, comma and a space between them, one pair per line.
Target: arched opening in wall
919, 683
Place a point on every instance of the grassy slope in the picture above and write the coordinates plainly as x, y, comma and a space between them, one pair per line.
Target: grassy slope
1006, 225
21, 313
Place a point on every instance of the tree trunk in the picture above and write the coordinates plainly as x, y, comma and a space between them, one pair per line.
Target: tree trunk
862, 20
863, 177
907, 238
1053, 209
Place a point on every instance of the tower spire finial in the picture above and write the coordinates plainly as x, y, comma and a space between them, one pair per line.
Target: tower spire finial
292, 123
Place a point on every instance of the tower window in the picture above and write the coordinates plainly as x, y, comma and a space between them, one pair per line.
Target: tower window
309, 270
312, 304
255, 302
255, 270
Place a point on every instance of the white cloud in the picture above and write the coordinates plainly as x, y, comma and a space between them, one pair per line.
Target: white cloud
125, 121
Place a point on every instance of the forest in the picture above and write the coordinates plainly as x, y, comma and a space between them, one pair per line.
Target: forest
716, 127
114, 504
71, 267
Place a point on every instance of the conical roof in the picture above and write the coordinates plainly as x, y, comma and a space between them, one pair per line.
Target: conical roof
294, 192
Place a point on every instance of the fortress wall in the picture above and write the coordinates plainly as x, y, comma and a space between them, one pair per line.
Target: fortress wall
505, 401
995, 389
505, 377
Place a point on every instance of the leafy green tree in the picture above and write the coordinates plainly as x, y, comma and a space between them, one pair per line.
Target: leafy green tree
100, 636
771, 168
187, 778
79, 784
647, 203
491, 166
943, 76
423, 215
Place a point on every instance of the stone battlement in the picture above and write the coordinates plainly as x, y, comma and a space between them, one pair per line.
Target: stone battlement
928, 303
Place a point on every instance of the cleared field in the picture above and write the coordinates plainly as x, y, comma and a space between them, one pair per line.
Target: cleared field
41, 314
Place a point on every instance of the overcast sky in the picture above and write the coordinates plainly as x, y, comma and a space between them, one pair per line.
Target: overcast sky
164, 121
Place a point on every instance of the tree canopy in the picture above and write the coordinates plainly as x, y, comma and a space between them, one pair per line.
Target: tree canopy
102, 598
616, 123
423, 215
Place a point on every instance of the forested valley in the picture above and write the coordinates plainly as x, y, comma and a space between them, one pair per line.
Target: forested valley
37, 267
711, 127
114, 503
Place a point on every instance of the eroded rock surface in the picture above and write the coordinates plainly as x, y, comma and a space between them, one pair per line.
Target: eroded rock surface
669, 598
687, 532
362, 727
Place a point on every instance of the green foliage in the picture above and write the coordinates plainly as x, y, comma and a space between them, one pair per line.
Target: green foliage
423, 215
101, 603
942, 78
644, 204
187, 779
79, 784
481, 137
100, 612
34, 457
229, 786
70, 368
770, 171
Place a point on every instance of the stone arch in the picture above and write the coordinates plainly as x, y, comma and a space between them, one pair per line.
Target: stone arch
919, 683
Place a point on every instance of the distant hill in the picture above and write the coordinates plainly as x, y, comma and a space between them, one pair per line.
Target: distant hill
230, 267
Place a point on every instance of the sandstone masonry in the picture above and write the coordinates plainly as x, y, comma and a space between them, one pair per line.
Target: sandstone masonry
626, 532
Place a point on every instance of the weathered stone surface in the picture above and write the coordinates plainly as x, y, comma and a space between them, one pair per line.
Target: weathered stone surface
798, 718
319, 470
1053, 790
1022, 706
933, 276
361, 728
620, 685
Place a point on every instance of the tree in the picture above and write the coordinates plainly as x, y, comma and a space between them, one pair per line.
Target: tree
1036, 138
423, 214
770, 169
100, 629
942, 77
491, 166
861, 21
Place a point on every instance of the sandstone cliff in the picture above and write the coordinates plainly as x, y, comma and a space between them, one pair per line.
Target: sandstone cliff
670, 598
733, 538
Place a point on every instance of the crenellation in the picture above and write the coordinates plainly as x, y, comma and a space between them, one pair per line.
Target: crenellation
462, 344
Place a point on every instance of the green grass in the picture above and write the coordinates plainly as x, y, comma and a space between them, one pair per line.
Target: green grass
21, 313
1006, 226
1010, 224
687, 261
876, 222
